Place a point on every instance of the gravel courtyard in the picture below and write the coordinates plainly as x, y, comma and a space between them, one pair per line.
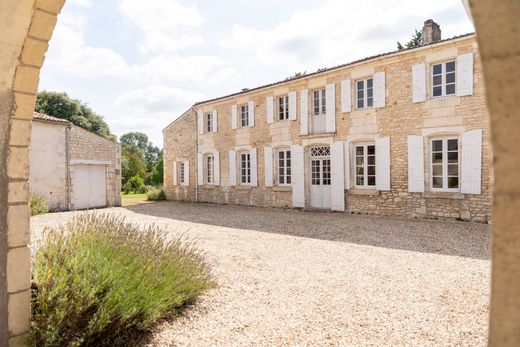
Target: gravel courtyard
290, 278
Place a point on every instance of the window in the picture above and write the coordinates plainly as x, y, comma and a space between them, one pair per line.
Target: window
209, 122
181, 173
444, 164
443, 79
244, 115
319, 102
365, 93
284, 167
283, 108
365, 166
210, 169
245, 168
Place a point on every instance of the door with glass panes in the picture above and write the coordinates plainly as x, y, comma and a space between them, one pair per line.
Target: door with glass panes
320, 177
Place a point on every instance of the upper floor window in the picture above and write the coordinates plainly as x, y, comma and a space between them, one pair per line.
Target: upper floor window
365, 93
210, 169
319, 102
208, 121
443, 79
365, 165
284, 167
245, 168
180, 173
444, 161
283, 108
244, 115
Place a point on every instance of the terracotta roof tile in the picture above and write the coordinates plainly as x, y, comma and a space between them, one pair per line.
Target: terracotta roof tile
47, 118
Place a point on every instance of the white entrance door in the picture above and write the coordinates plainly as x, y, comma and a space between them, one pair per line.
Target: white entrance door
320, 177
90, 188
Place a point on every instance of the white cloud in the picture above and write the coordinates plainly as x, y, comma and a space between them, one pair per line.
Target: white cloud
80, 3
162, 22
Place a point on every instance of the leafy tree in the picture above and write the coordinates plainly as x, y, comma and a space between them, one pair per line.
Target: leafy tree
415, 41
140, 153
132, 164
158, 172
60, 105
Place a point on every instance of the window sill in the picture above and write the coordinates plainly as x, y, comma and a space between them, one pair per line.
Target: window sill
358, 191
443, 195
320, 135
242, 187
209, 186
282, 189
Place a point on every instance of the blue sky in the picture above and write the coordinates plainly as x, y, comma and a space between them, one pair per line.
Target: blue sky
141, 64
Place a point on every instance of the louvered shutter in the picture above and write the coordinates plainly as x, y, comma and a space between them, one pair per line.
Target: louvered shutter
379, 90
471, 169
298, 176
268, 166
346, 96
186, 173
251, 110
232, 168
383, 163
337, 169
464, 78
215, 121
292, 105
304, 112
330, 101
216, 168
200, 169
347, 165
254, 167
419, 82
200, 121
270, 109
234, 116
415, 164
174, 173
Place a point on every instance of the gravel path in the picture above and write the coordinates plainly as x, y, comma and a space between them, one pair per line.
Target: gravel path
289, 278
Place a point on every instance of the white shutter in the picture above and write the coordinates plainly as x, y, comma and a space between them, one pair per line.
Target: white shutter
200, 121
471, 169
268, 166
186, 173
337, 169
270, 109
254, 167
330, 102
383, 163
216, 167
304, 112
232, 168
215, 122
415, 164
292, 105
200, 169
346, 96
174, 173
251, 110
464, 78
419, 82
379, 90
298, 176
346, 153
234, 116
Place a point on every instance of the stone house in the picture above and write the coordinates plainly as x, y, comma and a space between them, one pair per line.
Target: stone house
72, 168
403, 133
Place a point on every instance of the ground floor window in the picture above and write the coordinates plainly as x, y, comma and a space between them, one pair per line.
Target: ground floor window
245, 168
210, 169
444, 163
180, 173
320, 166
284, 167
365, 156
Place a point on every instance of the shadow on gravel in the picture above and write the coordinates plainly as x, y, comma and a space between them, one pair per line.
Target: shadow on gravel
463, 239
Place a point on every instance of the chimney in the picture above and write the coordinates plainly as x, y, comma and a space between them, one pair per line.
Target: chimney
431, 32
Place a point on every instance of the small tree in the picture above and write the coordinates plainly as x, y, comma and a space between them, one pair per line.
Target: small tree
157, 173
416, 41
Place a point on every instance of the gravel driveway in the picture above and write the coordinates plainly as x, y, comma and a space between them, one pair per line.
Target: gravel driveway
290, 278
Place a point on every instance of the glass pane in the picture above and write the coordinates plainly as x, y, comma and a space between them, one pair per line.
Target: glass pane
453, 170
450, 89
453, 157
450, 78
453, 145
359, 150
371, 150
371, 170
437, 158
437, 145
360, 180
437, 80
453, 182
360, 94
437, 182
371, 160
360, 170
360, 85
370, 102
450, 66
436, 170
360, 103
437, 91
369, 83
371, 180
437, 69
370, 93
288, 179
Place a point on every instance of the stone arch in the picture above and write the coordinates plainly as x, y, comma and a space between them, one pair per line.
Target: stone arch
25, 29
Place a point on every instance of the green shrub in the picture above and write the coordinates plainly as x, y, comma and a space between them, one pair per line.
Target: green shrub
143, 189
134, 184
99, 281
38, 205
156, 194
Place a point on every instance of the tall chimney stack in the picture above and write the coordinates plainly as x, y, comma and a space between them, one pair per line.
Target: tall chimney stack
431, 32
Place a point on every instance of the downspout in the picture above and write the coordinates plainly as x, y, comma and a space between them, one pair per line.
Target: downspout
196, 154
67, 164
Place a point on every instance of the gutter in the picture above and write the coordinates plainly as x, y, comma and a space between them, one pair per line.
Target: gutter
67, 166
196, 154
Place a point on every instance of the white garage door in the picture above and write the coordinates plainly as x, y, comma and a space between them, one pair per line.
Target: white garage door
90, 186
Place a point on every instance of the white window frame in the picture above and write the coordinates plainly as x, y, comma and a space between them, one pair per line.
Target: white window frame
180, 173
244, 115
443, 78
365, 90
283, 108
209, 169
208, 122
322, 101
365, 146
445, 151
283, 167
244, 173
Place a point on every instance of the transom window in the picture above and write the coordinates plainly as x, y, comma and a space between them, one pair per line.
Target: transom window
365, 165
209, 122
181, 173
210, 169
283, 108
320, 151
245, 168
284, 167
365, 93
319, 102
444, 164
244, 115
443, 79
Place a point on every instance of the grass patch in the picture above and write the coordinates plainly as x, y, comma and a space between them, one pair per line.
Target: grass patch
156, 194
38, 205
134, 196
99, 281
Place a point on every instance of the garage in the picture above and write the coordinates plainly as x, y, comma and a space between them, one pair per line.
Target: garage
90, 186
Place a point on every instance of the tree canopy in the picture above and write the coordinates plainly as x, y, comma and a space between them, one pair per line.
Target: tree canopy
60, 105
140, 157
415, 41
